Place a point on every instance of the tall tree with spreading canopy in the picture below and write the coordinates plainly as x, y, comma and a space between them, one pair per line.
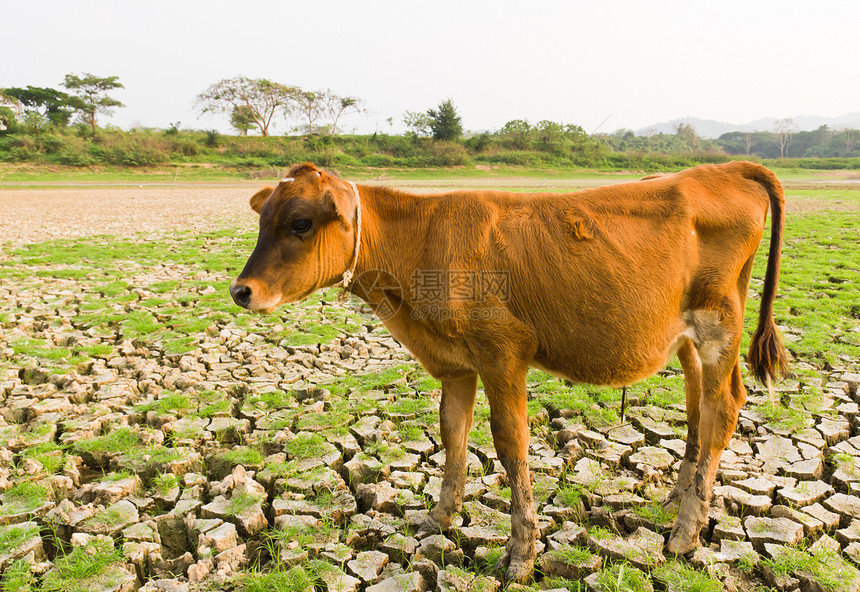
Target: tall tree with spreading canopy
257, 99
48, 102
445, 121
91, 95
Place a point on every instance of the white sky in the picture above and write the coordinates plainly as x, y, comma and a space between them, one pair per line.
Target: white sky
637, 63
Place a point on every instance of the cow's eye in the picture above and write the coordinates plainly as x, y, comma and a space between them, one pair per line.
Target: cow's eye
301, 225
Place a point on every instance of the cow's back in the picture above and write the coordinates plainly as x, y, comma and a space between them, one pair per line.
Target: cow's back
603, 276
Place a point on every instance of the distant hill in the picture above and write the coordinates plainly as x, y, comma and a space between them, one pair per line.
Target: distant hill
710, 128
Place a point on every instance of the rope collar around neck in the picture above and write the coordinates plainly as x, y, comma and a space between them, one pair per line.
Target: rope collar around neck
350, 272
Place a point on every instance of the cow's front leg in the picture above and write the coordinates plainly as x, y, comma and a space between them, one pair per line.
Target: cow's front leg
509, 422
455, 414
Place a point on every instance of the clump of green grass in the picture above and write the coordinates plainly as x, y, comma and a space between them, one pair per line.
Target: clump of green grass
243, 456
241, 502
48, 454
305, 446
683, 578
24, 497
18, 578
85, 569
163, 483
571, 555
569, 495
823, 565
119, 440
167, 403
657, 513
623, 578
296, 579
14, 535
270, 400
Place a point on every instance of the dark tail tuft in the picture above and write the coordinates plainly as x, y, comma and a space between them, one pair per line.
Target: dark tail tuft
767, 356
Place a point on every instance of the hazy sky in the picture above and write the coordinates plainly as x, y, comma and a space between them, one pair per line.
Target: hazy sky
635, 63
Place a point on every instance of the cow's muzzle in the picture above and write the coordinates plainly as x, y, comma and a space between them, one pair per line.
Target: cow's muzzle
241, 294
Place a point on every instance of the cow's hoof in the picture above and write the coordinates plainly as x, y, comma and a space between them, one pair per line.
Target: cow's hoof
518, 570
433, 525
683, 540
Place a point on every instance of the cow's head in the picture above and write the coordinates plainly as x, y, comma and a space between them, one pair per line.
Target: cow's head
306, 241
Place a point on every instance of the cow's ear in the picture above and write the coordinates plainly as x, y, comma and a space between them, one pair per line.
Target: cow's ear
334, 208
260, 198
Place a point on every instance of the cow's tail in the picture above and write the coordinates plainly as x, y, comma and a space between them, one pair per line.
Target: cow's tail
767, 356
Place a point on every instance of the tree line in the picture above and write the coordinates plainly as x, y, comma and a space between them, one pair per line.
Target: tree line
35, 124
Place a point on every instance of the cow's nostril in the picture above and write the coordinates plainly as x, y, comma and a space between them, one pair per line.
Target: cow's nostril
241, 295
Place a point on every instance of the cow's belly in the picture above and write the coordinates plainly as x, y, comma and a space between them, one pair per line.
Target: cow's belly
610, 357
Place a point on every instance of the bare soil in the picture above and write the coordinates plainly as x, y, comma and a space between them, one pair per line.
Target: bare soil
34, 215
38, 214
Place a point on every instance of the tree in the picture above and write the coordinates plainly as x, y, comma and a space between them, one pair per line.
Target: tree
417, 122
311, 105
445, 122
783, 130
49, 102
257, 99
91, 95
518, 133
337, 106
242, 120
686, 134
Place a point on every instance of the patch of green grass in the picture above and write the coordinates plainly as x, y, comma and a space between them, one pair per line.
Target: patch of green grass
657, 513
119, 440
295, 579
139, 323
168, 403
270, 400
15, 535
163, 483
305, 446
85, 569
600, 533
49, 454
243, 456
408, 406
623, 578
571, 555
683, 578
784, 418
241, 502
409, 433
570, 495
24, 497
18, 578
830, 569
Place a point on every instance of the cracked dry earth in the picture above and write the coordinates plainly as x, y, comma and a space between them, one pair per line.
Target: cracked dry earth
153, 436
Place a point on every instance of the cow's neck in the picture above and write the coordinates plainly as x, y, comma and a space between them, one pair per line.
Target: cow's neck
394, 225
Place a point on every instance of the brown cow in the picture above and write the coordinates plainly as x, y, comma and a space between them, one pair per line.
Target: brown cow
600, 286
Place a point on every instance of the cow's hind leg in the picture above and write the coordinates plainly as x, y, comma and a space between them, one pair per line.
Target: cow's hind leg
455, 414
509, 424
723, 394
692, 366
